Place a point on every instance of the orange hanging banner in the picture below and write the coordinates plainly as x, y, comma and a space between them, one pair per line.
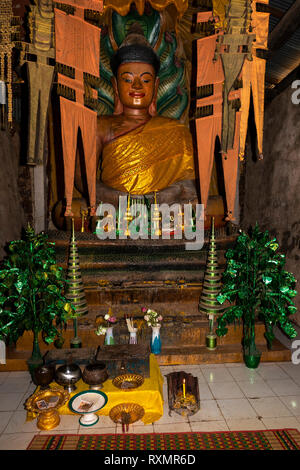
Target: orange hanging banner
78, 47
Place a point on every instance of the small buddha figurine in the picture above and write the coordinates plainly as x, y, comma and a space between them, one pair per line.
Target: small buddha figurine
138, 151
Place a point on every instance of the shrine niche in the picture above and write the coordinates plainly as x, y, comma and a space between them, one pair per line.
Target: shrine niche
228, 65
212, 63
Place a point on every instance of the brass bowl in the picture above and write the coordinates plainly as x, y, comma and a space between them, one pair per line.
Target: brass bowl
126, 413
40, 403
127, 382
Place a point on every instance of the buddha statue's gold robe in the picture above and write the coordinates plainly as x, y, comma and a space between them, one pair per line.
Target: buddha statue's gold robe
149, 158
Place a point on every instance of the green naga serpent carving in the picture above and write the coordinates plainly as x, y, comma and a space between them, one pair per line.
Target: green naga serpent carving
173, 92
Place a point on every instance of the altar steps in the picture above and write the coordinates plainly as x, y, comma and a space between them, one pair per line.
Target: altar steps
127, 275
183, 343
183, 355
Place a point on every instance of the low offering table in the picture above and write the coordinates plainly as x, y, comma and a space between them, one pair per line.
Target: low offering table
149, 395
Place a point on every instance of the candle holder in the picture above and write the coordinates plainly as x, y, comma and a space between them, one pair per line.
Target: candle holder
183, 393
128, 217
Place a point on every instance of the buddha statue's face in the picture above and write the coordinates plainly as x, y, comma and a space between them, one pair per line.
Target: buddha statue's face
136, 83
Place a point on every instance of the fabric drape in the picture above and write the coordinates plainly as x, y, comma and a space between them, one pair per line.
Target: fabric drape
40, 78
253, 75
208, 128
73, 117
77, 46
77, 43
230, 163
149, 158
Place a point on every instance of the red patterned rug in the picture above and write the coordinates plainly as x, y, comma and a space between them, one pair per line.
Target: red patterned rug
276, 439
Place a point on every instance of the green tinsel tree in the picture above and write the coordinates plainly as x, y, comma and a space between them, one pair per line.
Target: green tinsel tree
75, 290
31, 293
259, 288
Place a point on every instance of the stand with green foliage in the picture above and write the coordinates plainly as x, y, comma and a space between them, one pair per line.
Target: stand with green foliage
259, 288
209, 304
75, 290
31, 299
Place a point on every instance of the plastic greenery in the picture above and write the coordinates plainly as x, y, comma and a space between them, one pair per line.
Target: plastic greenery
258, 287
31, 286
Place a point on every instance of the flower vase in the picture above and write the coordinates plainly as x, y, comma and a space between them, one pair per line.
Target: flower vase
109, 336
155, 340
132, 337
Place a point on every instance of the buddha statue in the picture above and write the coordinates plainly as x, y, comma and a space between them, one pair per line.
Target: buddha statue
138, 151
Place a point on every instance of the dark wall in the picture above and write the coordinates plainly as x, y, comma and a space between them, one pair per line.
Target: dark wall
272, 186
15, 190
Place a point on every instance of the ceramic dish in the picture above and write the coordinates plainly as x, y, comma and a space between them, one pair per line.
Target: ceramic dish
86, 404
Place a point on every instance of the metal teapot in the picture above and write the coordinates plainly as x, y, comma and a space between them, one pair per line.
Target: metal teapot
67, 375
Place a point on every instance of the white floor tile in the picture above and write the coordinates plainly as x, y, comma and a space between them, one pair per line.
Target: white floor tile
222, 390
104, 422
19, 441
14, 385
292, 402
284, 387
272, 372
200, 377
293, 370
209, 411
205, 392
68, 422
18, 423
217, 374
209, 426
4, 419
3, 376
281, 423
175, 427
251, 424
236, 408
256, 389
270, 407
20, 373
10, 401
242, 373
188, 368
232, 397
146, 429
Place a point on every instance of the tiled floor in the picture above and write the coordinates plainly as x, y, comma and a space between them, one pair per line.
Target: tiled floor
232, 398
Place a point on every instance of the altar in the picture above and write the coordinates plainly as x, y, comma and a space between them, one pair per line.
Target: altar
149, 395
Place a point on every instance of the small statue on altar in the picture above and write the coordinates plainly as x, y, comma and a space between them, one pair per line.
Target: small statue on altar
138, 151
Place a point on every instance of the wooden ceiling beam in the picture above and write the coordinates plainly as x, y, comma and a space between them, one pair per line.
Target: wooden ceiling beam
286, 27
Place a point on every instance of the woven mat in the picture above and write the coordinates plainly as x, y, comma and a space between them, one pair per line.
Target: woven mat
278, 439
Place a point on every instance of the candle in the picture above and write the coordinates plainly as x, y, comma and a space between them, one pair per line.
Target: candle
183, 386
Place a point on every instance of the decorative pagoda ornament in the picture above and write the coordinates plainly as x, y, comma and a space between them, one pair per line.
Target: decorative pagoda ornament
75, 290
209, 305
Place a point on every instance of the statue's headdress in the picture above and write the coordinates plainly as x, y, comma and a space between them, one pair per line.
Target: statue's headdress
135, 48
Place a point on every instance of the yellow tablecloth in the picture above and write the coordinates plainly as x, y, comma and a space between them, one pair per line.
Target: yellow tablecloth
149, 395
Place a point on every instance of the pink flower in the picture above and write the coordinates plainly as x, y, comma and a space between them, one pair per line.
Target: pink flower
112, 319
160, 318
144, 309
